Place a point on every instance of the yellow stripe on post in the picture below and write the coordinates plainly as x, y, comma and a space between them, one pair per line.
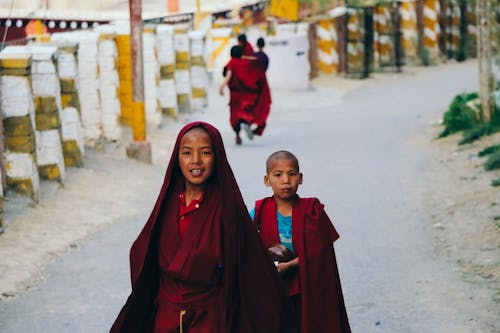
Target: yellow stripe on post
138, 121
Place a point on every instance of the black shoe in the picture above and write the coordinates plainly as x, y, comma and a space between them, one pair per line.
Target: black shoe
238, 141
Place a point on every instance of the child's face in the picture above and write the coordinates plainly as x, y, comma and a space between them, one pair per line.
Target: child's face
284, 178
196, 157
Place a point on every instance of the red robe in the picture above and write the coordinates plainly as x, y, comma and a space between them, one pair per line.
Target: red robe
322, 302
248, 50
250, 96
220, 269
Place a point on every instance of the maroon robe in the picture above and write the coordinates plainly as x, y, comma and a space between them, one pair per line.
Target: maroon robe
248, 49
221, 261
250, 96
322, 302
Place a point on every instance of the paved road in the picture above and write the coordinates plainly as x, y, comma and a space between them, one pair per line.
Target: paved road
358, 155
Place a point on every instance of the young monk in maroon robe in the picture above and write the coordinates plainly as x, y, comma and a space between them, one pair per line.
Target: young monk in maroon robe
302, 228
198, 265
250, 96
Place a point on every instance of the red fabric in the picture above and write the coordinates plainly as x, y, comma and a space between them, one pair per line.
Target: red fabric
267, 223
322, 302
184, 216
237, 278
250, 96
248, 50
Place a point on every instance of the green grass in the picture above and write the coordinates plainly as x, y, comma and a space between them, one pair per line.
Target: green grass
489, 150
460, 116
474, 133
493, 161
479, 130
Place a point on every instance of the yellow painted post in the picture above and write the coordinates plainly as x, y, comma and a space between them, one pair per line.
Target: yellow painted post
138, 121
151, 77
47, 96
355, 46
325, 45
408, 14
382, 48
167, 94
198, 70
109, 83
18, 110
182, 75
431, 29
72, 136
125, 75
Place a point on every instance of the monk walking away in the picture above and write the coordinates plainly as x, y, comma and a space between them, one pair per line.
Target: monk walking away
198, 265
299, 236
249, 94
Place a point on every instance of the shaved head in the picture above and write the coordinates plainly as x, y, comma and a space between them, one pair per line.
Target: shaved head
281, 155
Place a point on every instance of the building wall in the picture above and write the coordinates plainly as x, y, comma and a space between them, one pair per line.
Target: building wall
59, 4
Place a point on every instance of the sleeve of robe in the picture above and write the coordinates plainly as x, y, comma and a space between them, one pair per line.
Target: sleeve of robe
323, 308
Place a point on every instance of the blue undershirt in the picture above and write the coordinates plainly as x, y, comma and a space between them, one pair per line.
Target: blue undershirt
284, 228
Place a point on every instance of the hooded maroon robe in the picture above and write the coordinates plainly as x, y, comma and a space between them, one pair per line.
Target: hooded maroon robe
322, 302
250, 96
250, 294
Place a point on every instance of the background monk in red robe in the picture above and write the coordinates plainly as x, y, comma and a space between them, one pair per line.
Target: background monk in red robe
250, 97
310, 274
198, 265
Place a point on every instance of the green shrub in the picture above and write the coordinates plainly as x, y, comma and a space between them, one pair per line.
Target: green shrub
493, 161
495, 182
489, 150
474, 133
459, 116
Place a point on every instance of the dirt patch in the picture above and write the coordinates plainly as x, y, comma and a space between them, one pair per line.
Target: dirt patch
465, 210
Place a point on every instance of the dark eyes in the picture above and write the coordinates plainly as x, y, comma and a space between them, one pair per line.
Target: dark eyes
204, 153
279, 174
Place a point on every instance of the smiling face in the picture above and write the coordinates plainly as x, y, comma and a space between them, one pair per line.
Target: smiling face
196, 158
283, 177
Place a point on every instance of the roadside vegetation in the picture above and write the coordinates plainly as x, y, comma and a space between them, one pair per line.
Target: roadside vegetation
464, 115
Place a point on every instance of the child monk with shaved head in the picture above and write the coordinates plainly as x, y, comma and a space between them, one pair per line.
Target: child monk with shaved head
300, 236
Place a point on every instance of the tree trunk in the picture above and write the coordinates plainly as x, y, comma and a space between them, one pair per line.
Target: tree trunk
484, 58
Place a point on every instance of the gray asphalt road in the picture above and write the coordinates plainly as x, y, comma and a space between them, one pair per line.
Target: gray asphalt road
358, 155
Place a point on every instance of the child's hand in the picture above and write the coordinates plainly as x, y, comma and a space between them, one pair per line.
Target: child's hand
284, 267
221, 90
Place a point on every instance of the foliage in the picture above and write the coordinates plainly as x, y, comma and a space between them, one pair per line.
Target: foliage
459, 116
495, 182
493, 161
474, 133
483, 129
489, 150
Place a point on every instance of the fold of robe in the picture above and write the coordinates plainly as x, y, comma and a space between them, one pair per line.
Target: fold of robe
322, 302
237, 270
